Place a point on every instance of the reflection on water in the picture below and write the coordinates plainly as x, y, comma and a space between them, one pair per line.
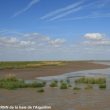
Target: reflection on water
73, 75
97, 72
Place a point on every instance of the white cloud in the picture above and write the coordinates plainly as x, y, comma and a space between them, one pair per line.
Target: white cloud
56, 42
94, 11
97, 43
8, 41
62, 10
96, 39
75, 7
25, 43
30, 40
92, 16
14, 42
35, 46
33, 2
94, 36
65, 13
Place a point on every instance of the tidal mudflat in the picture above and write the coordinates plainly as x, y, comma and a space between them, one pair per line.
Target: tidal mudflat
91, 72
32, 70
59, 99
63, 99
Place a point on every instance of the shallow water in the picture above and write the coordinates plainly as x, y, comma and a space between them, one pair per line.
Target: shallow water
96, 72
62, 99
74, 75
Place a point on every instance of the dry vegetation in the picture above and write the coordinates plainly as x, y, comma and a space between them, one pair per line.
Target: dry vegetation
31, 64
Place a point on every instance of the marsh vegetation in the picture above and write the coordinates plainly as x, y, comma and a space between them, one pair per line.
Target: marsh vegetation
54, 83
91, 80
76, 88
29, 64
64, 85
102, 86
40, 90
11, 82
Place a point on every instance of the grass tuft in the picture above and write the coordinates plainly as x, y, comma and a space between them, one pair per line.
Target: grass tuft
11, 82
54, 83
63, 85
41, 90
102, 86
76, 88
91, 80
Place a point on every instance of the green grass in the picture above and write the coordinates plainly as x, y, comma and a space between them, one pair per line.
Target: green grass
63, 85
54, 83
91, 80
102, 86
29, 64
76, 88
11, 82
41, 90
36, 84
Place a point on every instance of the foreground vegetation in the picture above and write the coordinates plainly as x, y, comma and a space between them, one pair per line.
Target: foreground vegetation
64, 85
29, 64
102, 86
11, 82
54, 83
41, 90
91, 80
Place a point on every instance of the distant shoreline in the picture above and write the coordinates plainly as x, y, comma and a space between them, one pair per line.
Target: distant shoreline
52, 68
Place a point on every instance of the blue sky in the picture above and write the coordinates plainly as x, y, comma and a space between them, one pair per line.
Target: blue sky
54, 29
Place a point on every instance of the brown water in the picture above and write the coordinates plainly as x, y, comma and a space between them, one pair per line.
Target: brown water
58, 99
94, 99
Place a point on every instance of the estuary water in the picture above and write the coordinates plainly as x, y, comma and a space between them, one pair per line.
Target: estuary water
95, 72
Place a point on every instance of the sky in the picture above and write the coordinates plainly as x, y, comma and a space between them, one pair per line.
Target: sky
54, 30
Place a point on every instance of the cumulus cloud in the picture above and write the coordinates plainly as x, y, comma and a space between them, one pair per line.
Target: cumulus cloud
30, 40
29, 46
96, 39
56, 42
13, 42
8, 41
94, 36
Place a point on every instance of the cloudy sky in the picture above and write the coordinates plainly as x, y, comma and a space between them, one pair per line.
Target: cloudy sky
54, 30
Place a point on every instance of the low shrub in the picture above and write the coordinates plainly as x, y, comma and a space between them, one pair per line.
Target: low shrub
7, 84
102, 86
40, 90
10, 77
63, 85
54, 83
36, 84
76, 88
91, 80
11, 82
